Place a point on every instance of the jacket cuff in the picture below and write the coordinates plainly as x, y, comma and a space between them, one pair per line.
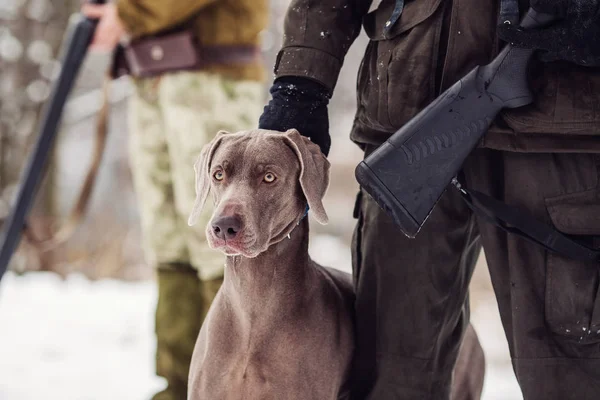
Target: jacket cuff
309, 63
130, 16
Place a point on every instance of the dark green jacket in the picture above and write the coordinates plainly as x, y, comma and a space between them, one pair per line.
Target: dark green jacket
431, 46
216, 22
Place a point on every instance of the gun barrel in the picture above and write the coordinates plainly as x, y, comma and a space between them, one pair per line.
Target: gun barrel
77, 43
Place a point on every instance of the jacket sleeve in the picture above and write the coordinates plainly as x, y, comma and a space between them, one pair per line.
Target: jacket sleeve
146, 17
317, 36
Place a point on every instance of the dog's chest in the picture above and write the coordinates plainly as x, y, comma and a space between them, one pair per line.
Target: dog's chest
289, 361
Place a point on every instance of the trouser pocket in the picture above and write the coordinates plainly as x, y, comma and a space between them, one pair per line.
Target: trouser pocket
572, 287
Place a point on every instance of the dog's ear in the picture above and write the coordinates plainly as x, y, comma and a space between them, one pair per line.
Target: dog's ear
314, 172
202, 171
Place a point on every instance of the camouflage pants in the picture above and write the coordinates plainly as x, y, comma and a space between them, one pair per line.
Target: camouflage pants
171, 118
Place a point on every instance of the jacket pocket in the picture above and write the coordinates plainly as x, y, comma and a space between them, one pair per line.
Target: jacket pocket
572, 287
566, 101
397, 76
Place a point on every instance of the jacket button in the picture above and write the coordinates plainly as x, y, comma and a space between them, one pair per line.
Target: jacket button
157, 53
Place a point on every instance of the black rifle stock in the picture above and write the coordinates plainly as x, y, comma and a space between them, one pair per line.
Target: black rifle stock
408, 173
75, 49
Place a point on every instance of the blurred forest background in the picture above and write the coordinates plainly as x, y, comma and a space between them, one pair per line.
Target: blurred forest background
107, 243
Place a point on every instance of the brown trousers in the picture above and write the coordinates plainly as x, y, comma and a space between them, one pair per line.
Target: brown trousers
412, 303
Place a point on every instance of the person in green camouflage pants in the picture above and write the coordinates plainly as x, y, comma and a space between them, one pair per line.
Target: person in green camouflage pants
172, 116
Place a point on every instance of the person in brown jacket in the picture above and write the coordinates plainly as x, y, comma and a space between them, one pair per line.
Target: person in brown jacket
412, 304
172, 115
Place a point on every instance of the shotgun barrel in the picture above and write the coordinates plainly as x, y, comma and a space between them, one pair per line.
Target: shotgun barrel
78, 40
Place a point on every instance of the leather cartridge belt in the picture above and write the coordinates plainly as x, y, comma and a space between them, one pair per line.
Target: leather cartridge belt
177, 52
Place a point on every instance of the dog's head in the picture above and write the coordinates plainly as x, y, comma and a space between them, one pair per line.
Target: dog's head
261, 183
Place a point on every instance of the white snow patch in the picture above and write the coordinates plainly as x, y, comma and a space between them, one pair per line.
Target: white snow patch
76, 339
500, 382
330, 251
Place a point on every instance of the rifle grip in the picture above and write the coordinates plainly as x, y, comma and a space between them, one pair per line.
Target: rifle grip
506, 77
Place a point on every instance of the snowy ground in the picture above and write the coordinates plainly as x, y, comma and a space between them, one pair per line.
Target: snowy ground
82, 340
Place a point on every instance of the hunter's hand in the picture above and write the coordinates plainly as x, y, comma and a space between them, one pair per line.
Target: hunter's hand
575, 37
299, 103
110, 29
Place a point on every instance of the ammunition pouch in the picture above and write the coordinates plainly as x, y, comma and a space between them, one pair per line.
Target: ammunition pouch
177, 51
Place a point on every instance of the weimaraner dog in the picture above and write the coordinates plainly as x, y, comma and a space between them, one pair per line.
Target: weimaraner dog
281, 326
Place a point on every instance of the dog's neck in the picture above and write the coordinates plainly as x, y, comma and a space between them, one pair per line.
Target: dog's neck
276, 277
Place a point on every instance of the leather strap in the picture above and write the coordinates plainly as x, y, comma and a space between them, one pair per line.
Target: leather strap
509, 12
242, 54
389, 24
80, 207
519, 222
176, 52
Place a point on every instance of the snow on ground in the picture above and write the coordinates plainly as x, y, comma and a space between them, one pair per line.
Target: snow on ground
76, 339
82, 340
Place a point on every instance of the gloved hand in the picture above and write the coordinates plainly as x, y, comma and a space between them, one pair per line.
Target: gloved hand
299, 103
575, 37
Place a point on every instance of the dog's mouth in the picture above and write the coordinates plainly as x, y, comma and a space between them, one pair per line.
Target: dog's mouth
242, 246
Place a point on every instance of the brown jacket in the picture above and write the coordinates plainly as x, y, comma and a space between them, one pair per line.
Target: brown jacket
433, 44
216, 22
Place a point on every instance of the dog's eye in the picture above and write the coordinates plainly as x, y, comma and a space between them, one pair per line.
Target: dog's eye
269, 177
219, 175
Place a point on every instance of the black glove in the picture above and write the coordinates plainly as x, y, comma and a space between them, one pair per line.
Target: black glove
299, 103
575, 37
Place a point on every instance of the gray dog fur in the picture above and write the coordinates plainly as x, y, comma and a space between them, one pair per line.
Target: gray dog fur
280, 327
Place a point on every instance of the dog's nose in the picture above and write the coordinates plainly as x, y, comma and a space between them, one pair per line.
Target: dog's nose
227, 227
